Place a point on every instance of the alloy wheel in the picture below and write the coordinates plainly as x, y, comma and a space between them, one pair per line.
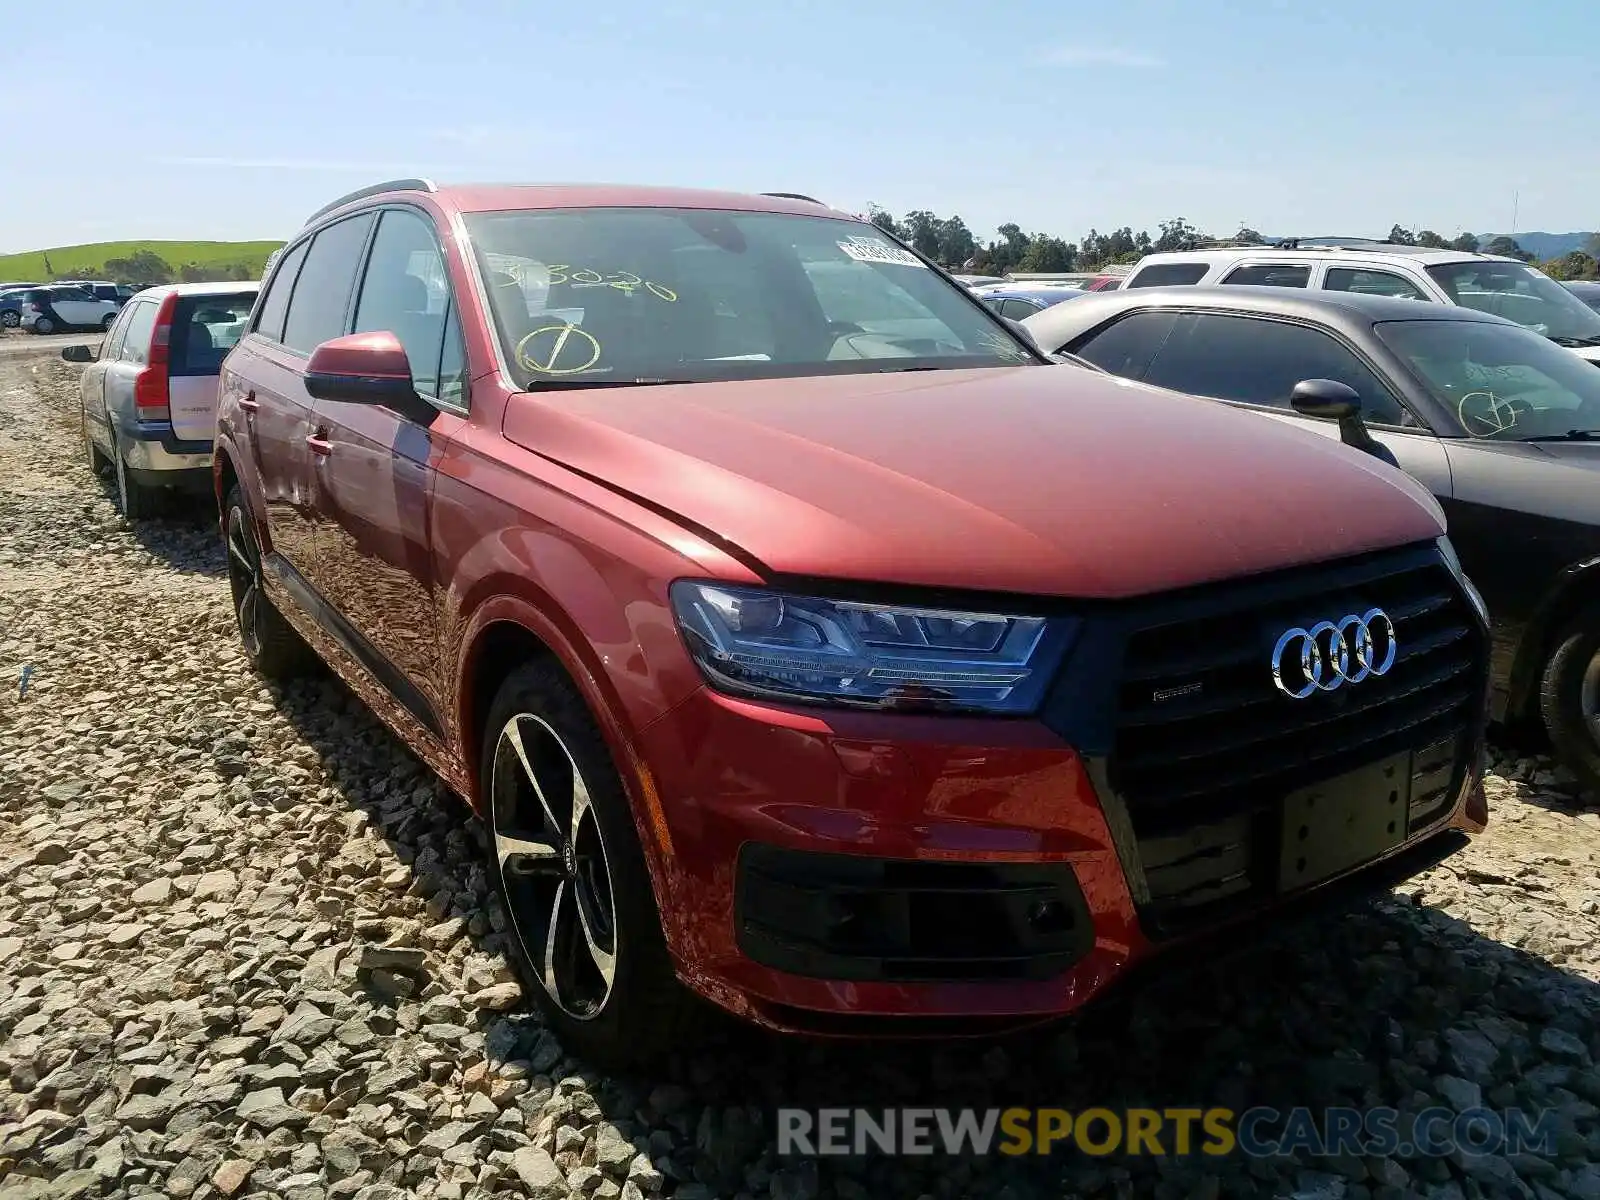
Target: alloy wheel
244, 578
553, 866
10, 319
1589, 698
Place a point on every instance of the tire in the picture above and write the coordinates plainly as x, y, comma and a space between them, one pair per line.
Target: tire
43, 325
587, 874
98, 466
273, 647
110, 320
1569, 699
136, 500
10, 319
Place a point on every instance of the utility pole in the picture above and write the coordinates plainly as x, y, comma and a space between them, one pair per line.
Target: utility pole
1516, 199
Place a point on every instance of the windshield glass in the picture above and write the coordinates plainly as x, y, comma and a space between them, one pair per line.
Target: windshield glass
619, 295
1501, 382
1520, 294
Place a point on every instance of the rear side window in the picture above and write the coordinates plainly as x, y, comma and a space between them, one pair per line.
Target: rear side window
1258, 361
1269, 275
321, 299
136, 343
205, 328
1017, 309
1370, 283
1169, 274
276, 304
1125, 347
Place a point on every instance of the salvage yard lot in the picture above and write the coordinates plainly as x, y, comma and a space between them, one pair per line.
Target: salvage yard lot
248, 950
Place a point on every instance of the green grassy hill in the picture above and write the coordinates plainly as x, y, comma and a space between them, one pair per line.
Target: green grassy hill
90, 259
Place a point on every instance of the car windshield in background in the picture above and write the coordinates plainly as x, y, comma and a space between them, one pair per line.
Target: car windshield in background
1501, 383
624, 295
1523, 295
205, 328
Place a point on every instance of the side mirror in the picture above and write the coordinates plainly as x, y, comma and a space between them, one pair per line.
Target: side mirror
79, 354
367, 368
1339, 402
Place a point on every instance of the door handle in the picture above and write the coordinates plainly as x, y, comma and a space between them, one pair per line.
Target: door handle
319, 444
248, 402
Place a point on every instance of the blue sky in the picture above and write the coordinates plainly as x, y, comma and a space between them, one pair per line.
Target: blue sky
1294, 116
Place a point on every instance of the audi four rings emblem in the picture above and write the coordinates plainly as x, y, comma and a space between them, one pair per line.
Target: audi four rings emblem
1331, 654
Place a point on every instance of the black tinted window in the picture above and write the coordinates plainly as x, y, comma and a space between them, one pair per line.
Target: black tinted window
1258, 361
1169, 274
276, 304
1370, 283
1125, 347
1017, 309
205, 328
321, 297
405, 292
1269, 275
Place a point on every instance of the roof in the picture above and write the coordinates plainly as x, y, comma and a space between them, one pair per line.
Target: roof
1377, 251
232, 287
499, 197
1348, 310
1027, 291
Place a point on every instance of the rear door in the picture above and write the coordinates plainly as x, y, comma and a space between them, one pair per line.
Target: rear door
204, 329
75, 306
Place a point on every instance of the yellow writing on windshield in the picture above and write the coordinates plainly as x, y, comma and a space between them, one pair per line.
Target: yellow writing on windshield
559, 274
562, 349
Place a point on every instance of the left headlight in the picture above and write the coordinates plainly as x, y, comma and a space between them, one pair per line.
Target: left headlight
773, 645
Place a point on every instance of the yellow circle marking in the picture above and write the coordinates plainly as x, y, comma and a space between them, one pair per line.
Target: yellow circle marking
665, 293
548, 366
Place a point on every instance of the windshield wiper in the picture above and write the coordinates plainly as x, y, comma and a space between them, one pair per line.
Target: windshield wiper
1571, 435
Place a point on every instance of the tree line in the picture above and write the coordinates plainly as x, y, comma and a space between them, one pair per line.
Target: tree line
949, 242
145, 268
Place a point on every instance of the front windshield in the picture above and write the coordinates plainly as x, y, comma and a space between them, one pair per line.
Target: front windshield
1501, 382
626, 295
1523, 295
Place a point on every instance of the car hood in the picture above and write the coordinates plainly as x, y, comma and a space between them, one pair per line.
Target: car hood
1050, 481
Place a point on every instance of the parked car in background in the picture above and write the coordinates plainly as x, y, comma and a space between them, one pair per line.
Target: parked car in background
1587, 290
757, 586
11, 305
1019, 300
1499, 423
118, 293
1505, 287
975, 281
149, 394
58, 309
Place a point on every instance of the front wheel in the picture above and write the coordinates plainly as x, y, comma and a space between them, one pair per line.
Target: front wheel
586, 936
43, 325
1569, 699
10, 319
136, 500
110, 320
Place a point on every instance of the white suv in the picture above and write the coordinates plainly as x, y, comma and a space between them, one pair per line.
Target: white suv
1489, 283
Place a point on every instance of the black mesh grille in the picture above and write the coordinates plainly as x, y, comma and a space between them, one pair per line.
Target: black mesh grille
1206, 747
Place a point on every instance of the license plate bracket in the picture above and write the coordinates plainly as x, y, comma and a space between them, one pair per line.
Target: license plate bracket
1338, 824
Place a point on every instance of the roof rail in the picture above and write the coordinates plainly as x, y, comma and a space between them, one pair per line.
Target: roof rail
793, 196
388, 185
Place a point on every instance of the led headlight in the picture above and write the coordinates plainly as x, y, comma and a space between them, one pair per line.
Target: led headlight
755, 642
1473, 595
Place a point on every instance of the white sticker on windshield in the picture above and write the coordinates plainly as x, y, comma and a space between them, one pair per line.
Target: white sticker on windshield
866, 249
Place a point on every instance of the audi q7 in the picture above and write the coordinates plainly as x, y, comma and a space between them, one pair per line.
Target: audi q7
806, 640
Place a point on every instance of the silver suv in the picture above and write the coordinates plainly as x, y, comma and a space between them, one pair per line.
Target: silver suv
1489, 283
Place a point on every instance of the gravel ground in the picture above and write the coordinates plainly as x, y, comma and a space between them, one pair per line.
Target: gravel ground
246, 949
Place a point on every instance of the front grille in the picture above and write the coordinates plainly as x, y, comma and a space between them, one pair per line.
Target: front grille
1206, 748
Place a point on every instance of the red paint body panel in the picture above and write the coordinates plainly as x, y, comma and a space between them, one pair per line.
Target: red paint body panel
568, 515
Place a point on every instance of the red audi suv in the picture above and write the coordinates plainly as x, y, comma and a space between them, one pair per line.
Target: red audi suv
807, 640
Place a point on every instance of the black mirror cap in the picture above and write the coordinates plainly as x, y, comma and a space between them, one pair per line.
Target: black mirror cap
1325, 398
78, 354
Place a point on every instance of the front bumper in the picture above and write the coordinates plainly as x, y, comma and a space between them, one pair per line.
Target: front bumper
854, 872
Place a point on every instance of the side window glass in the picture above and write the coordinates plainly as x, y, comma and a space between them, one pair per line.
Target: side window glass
1016, 309
1269, 275
453, 362
1258, 361
321, 298
992, 304
136, 342
1370, 283
1126, 346
1169, 274
275, 304
405, 292
119, 333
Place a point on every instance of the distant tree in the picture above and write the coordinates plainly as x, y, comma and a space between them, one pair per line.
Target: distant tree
884, 220
956, 243
1048, 254
1177, 234
143, 267
1432, 240
1401, 236
1573, 265
1507, 247
192, 273
1467, 243
1246, 234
